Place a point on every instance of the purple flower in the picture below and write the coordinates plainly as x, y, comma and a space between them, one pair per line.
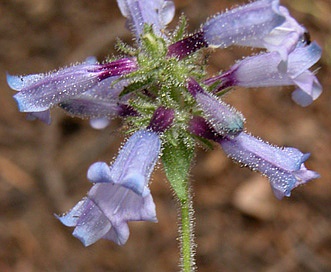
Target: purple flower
120, 193
262, 70
223, 118
261, 24
283, 166
155, 87
157, 13
246, 25
38, 93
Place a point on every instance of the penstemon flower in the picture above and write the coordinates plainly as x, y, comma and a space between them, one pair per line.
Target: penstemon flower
160, 88
283, 166
38, 93
120, 193
262, 71
266, 25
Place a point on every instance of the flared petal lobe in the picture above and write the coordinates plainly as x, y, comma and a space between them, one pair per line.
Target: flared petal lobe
283, 166
89, 221
284, 38
120, 193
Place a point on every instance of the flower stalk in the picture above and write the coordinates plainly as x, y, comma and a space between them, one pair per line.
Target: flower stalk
187, 244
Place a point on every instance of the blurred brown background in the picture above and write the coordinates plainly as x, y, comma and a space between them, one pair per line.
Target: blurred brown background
240, 226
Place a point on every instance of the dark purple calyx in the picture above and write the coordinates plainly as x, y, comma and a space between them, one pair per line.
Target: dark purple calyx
225, 80
199, 126
127, 110
117, 68
193, 87
187, 46
161, 120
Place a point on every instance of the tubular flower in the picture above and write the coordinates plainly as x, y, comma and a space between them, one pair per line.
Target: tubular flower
262, 71
120, 193
284, 167
38, 93
266, 25
229, 28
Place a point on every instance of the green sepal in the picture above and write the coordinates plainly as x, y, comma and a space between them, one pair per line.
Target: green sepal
125, 48
204, 142
153, 44
211, 88
177, 156
180, 30
136, 87
224, 91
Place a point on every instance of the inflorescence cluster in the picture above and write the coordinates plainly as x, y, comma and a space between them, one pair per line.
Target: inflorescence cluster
160, 88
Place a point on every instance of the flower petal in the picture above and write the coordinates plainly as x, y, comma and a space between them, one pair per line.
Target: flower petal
44, 116
248, 22
284, 38
89, 221
157, 13
92, 224
137, 157
119, 203
18, 83
119, 234
283, 166
99, 172
71, 218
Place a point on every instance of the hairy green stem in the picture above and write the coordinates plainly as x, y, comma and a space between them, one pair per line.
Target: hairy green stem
187, 245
